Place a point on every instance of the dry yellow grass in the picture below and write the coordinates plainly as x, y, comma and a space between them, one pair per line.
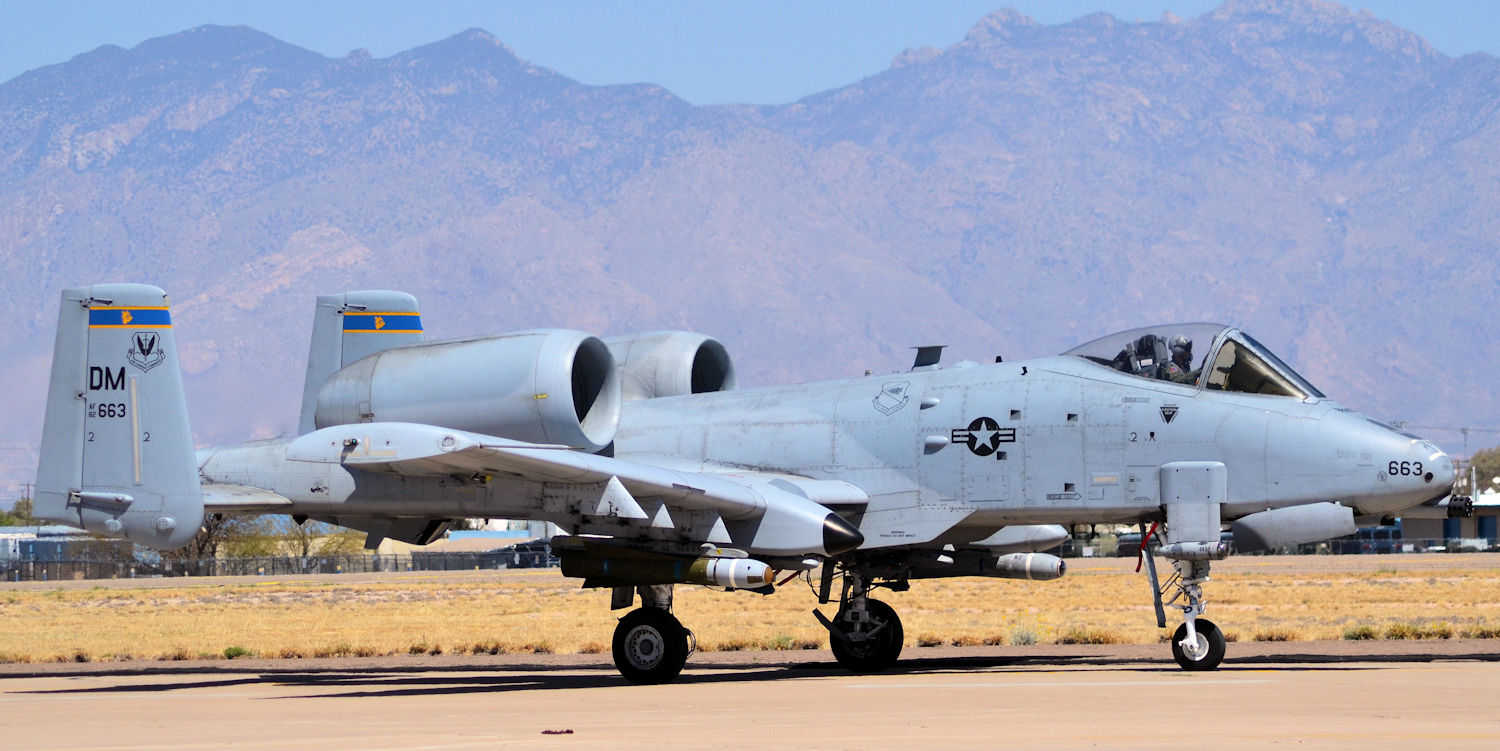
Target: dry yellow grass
540, 612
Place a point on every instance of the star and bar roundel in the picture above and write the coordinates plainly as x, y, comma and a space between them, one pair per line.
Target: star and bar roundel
984, 436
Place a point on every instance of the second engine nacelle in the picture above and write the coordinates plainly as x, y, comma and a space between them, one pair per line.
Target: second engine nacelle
670, 363
548, 386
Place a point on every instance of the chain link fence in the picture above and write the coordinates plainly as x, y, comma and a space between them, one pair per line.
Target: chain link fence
539, 555
1128, 546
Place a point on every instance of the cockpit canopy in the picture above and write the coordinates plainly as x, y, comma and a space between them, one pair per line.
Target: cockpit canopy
1225, 359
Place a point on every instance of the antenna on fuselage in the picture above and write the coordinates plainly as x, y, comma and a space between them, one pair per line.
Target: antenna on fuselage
928, 357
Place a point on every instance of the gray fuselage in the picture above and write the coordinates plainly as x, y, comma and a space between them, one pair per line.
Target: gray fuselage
945, 456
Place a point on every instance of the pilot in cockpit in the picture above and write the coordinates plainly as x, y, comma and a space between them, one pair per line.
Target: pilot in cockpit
1147, 356
1179, 369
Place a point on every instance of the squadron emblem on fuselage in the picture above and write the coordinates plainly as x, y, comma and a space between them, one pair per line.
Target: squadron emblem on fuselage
892, 397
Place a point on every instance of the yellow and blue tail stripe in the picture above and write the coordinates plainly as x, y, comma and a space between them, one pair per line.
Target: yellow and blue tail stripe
383, 323
130, 318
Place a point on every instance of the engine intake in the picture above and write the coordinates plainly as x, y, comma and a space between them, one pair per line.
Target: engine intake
671, 363
550, 386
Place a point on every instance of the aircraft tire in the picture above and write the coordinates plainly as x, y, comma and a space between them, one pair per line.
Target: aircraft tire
876, 654
1209, 637
650, 646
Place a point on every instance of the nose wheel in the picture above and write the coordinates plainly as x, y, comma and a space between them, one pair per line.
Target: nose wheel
1204, 651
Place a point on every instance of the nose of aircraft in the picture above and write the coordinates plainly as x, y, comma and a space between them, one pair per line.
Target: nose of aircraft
1444, 468
1430, 465
1416, 472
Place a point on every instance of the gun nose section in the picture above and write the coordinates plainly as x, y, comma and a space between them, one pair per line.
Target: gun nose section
1411, 471
1443, 468
1432, 473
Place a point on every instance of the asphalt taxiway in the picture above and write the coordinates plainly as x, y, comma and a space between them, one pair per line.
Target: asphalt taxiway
1317, 695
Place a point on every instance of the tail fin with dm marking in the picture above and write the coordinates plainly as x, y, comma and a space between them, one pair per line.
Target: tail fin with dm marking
348, 327
117, 454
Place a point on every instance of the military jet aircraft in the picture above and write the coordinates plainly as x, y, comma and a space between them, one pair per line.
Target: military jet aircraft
662, 473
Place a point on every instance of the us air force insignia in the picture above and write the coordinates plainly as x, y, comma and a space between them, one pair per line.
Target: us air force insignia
984, 436
1168, 411
892, 397
145, 351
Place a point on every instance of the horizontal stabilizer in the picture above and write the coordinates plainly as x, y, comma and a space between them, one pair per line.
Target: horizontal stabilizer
242, 499
410, 530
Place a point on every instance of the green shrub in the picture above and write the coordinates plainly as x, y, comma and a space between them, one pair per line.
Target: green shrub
1023, 635
1089, 636
1275, 634
1403, 631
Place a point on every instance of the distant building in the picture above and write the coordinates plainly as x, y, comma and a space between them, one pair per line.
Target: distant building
43, 543
1483, 525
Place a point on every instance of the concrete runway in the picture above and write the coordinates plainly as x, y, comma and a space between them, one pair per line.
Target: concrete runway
1380, 695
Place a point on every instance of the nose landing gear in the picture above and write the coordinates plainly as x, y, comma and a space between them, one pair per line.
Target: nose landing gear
1197, 644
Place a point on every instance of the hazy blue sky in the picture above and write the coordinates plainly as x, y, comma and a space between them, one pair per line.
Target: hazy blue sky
706, 51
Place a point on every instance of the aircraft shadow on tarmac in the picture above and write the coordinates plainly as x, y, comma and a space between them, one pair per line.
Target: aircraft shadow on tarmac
351, 682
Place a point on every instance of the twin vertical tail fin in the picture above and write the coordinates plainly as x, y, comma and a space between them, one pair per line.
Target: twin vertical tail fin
117, 455
351, 326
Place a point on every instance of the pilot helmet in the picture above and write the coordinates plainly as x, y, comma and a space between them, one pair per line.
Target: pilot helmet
1181, 343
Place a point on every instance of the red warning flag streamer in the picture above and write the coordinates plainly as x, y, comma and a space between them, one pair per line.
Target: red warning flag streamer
1140, 555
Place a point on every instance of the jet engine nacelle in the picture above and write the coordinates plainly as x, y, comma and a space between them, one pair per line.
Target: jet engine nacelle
671, 363
548, 386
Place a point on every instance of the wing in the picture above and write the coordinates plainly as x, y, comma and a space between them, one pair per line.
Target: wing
766, 513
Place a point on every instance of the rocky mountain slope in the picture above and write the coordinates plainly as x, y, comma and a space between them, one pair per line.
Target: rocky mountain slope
1320, 177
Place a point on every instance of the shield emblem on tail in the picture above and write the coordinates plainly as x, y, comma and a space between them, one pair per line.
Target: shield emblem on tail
145, 350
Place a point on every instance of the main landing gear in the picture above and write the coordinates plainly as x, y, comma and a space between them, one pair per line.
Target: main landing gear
866, 634
650, 644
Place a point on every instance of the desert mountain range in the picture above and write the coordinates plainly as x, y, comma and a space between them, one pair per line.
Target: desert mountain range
1317, 176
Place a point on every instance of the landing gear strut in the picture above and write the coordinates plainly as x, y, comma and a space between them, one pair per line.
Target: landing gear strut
866, 635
